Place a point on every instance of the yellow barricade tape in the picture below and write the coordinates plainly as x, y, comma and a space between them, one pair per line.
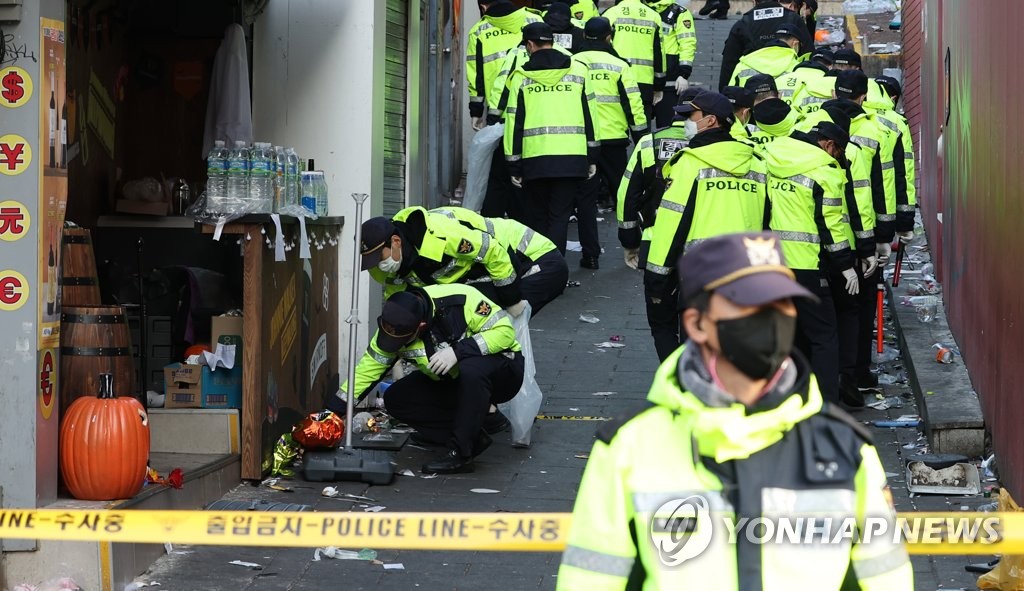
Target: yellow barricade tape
925, 533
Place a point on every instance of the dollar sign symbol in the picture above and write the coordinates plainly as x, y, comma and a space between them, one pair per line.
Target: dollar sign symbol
13, 90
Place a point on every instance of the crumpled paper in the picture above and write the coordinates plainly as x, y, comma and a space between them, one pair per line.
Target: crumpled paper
320, 430
176, 479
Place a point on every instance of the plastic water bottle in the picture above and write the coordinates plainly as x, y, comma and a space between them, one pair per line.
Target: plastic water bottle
308, 192
280, 165
238, 178
217, 176
261, 179
293, 179
320, 187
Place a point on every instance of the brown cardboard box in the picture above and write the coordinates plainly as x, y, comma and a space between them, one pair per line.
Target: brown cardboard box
227, 330
183, 385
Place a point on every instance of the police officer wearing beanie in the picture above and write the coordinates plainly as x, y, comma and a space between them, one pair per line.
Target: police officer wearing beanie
567, 35
465, 349
757, 29
770, 116
735, 430
742, 101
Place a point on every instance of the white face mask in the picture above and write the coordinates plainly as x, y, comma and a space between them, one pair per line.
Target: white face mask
389, 265
690, 127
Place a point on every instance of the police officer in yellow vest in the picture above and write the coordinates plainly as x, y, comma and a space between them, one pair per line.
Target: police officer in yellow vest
818, 90
643, 182
543, 270
415, 248
680, 38
903, 155
715, 186
770, 117
742, 101
638, 39
807, 185
620, 107
465, 349
817, 66
775, 59
734, 432
551, 141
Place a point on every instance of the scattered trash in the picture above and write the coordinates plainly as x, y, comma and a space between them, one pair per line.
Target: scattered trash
140, 585
573, 284
926, 312
484, 491
407, 472
585, 456
959, 479
910, 446
887, 48
868, 6
886, 379
428, 476
615, 338
333, 492
168, 548
903, 421
62, 584
251, 565
943, 354
988, 507
374, 509
572, 246
602, 393
573, 409
175, 479
339, 554
887, 403
986, 468
394, 566
589, 318
888, 354
609, 345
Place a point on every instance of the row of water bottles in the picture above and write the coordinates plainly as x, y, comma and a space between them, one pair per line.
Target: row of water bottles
261, 179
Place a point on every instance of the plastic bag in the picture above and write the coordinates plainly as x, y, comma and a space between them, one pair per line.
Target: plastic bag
1009, 573
868, 6
522, 410
481, 149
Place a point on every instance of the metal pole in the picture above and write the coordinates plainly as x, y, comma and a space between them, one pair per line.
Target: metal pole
353, 317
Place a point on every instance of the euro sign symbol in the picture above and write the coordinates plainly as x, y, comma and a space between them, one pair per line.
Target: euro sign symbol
13, 89
681, 529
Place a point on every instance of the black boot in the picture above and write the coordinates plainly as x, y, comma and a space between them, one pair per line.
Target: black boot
708, 7
590, 263
450, 463
496, 422
850, 397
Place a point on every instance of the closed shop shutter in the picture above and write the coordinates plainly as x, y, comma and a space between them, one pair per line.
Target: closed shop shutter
396, 60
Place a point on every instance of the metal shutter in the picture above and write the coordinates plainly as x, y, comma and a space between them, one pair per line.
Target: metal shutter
395, 63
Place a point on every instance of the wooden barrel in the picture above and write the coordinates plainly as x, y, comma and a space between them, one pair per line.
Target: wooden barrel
94, 340
79, 285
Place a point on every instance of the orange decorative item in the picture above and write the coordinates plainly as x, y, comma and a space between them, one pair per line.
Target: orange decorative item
104, 445
821, 35
319, 430
197, 350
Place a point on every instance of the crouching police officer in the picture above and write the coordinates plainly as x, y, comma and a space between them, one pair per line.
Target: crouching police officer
734, 429
468, 358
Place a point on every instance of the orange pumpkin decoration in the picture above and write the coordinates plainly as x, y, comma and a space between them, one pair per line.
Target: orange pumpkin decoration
104, 445
197, 350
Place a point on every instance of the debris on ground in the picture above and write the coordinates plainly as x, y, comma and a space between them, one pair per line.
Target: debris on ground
339, 554
251, 565
484, 491
589, 318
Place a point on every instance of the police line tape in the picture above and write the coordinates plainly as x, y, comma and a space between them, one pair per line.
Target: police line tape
932, 533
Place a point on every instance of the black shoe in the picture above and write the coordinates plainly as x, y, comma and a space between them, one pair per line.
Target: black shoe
589, 263
450, 463
850, 397
708, 7
420, 439
720, 16
481, 443
981, 567
496, 422
867, 381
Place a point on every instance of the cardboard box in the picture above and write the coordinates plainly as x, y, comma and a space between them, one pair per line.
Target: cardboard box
195, 386
227, 330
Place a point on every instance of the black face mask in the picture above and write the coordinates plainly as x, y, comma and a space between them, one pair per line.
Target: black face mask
757, 344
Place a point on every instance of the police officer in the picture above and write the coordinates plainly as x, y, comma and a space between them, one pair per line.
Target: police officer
497, 33
735, 431
715, 185
643, 182
775, 59
756, 29
619, 104
567, 35
770, 116
637, 37
742, 101
818, 90
903, 154
807, 185
680, 37
542, 269
551, 141
415, 248
817, 66
465, 349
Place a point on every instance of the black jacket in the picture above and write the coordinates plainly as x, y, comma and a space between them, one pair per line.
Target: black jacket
757, 29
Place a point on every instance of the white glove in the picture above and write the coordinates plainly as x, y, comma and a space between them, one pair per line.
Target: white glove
632, 257
479, 123
882, 251
852, 283
517, 308
443, 361
657, 96
591, 171
906, 237
869, 265
681, 84
517, 182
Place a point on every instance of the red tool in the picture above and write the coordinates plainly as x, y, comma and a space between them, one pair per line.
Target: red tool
881, 318
899, 264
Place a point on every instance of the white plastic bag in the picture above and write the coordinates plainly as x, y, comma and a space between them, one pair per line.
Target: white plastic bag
481, 149
868, 6
522, 410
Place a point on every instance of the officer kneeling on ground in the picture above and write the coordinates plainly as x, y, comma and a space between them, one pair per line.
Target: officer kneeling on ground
468, 358
734, 429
